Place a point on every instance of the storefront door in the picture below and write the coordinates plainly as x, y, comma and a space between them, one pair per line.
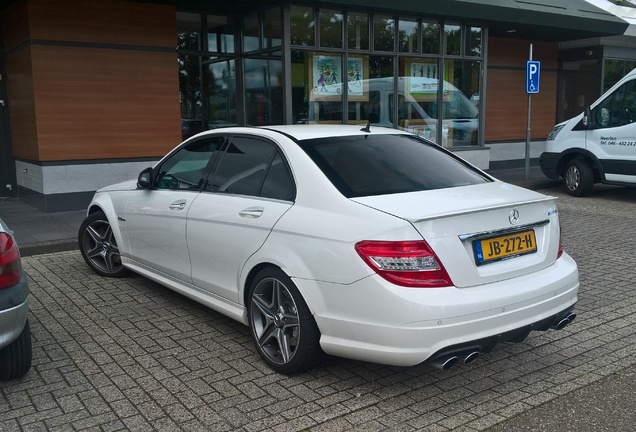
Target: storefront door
7, 176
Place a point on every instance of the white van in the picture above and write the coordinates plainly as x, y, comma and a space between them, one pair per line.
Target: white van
598, 145
416, 110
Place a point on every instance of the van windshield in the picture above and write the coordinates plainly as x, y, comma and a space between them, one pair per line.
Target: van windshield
366, 165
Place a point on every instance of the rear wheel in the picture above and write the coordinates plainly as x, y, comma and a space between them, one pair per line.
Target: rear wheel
15, 358
98, 246
579, 178
282, 326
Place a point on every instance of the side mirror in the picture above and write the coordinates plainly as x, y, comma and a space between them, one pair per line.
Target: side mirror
144, 181
587, 118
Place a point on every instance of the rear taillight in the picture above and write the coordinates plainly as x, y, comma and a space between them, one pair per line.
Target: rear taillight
404, 263
560, 251
10, 268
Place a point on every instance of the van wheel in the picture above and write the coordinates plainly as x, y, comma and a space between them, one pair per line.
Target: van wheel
579, 178
15, 358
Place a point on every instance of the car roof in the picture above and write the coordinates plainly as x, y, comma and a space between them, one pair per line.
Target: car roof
309, 131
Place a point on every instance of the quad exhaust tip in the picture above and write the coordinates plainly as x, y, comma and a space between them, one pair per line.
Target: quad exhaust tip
563, 322
446, 362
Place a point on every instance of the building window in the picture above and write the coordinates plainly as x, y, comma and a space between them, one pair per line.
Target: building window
408, 41
188, 31
614, 70
346, 67
302, 26
358, 29
251, 33
220, 34
272, 29
383, 33
263, 92
473, 41
452, 39
430, 37
331, 28
400, 80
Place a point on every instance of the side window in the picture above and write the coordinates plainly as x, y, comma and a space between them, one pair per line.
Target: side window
252, 167
618, 109
186, 168
278, 183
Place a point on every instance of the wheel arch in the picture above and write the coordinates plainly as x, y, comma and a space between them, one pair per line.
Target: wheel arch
106, 206
583, 154
253, 272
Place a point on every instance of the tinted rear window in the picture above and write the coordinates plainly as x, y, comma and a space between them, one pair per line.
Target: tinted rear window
385, 164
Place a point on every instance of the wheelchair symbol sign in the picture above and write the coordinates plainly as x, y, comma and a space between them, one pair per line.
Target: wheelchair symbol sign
533, 71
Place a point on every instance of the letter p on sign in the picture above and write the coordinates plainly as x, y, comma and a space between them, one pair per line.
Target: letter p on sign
533, 71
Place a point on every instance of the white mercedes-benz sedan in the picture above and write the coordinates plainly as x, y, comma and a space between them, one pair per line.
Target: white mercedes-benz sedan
371, 244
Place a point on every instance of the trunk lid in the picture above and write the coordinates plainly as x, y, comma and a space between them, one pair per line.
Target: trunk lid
454, 220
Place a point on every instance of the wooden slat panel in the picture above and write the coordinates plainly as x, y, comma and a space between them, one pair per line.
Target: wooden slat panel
507, 105
20, 102
511, 52
104, 21
99, 103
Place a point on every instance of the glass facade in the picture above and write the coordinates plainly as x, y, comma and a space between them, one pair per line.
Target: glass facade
336, 66
585, 74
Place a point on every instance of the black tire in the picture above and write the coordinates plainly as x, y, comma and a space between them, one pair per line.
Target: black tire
284, 331
15, 359
98, 246
579, 178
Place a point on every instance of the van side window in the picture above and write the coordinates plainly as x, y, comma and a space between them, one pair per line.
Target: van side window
618, 109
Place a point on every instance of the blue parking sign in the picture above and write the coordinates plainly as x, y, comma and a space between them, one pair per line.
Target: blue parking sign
533, 70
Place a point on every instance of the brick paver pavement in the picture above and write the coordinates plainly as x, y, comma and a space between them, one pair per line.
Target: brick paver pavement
129, 354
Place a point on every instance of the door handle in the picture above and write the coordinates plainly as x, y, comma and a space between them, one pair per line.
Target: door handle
178, 205
252, 212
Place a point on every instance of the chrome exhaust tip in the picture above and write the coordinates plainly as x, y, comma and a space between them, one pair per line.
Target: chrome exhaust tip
445, 363
471, 357
564, 321
561, 324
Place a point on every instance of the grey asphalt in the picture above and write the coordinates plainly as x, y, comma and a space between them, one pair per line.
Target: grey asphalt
127, 354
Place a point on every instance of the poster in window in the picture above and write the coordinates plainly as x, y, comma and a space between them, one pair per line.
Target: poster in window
424, 78
327, 77
357, 68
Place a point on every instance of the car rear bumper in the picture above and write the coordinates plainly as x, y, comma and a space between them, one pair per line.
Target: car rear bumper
14, 306
378, 322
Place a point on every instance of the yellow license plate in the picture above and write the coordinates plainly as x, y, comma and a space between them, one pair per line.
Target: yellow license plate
505, 246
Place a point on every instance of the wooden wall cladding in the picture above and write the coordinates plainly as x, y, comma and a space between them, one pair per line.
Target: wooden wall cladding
103, 21
507, 101
20, 101
91, 79
514, 53
102, 103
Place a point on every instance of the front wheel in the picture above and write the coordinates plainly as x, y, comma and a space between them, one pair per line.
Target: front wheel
579, 178
282, 326
98, 246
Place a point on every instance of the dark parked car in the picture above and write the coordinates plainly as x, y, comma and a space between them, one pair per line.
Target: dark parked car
15, 335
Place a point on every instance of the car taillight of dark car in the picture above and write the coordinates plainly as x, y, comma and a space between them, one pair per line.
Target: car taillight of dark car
10, 267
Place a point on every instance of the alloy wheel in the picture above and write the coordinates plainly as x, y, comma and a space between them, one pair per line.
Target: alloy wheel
275, 321
100, 247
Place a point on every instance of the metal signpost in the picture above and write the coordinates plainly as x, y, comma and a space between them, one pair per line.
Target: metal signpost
533, 71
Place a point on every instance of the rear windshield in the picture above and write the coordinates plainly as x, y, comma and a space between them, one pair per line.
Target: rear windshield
367, 165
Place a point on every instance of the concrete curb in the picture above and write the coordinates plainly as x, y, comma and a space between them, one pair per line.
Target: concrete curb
41, 248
